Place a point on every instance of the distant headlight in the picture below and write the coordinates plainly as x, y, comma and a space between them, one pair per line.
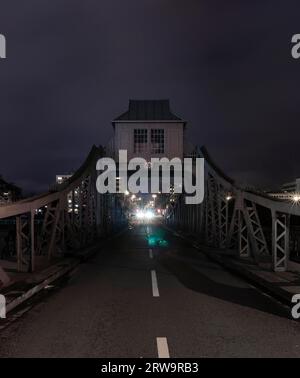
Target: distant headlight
149, 214
139, 214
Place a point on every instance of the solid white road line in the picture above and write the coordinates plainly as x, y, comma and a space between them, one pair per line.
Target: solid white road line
154, 284
162, 347
150, 253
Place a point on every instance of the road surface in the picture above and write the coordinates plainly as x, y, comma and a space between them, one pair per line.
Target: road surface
149, 294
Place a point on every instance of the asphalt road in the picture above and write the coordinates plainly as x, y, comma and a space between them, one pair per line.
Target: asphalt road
138, 299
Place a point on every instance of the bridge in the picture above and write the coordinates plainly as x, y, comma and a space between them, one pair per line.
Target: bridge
211, 279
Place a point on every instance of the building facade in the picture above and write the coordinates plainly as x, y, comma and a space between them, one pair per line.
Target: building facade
149, 129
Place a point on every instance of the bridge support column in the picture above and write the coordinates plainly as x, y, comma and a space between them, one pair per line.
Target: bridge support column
53, 212
222, 218
238, 231
211, 234
255, 232
280, 241
32, 242
19, 242
244, 249
25, 241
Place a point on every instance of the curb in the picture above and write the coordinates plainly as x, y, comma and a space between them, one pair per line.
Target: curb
34, 290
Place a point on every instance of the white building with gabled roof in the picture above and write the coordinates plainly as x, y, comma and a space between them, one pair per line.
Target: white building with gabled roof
149, 129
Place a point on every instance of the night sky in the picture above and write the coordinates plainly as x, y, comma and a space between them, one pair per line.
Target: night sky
226, 67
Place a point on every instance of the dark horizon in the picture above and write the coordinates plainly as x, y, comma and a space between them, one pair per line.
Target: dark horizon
72, 67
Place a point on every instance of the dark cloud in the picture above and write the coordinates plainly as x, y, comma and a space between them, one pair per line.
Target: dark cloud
225, 65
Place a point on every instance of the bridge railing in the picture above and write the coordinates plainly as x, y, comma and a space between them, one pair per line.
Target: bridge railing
66, 219
239, 220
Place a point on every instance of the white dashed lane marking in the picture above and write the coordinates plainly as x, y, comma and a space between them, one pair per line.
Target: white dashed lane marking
154, 284
162, 347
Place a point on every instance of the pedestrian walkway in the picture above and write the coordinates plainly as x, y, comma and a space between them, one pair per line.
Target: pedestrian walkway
281, 285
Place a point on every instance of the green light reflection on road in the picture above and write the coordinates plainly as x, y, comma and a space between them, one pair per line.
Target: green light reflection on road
157, 239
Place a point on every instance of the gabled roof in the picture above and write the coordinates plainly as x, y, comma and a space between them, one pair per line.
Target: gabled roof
148, 110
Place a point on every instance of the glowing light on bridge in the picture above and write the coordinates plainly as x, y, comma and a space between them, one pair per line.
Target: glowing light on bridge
296, 198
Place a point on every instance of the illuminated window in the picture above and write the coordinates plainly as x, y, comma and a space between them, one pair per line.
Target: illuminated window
157, 141
140, 140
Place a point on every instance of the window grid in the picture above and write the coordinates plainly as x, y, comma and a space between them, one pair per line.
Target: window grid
140, 140
157, 141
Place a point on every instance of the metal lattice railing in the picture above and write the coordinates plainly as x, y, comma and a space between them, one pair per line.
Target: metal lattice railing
70, 217
237, 219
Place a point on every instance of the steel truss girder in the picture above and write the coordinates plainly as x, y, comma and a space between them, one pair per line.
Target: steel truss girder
280, 241
210, 224
71, 215
216, 213
71, 233
223, 217
238, 237
255, 232
243, 237
87, 210
52, 230
245, 233
22, 241
25, 242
